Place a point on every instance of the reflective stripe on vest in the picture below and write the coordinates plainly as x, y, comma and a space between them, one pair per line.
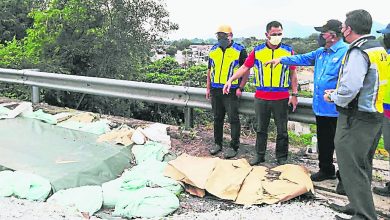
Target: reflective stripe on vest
224, 64
386, 101
371, 95
271, 78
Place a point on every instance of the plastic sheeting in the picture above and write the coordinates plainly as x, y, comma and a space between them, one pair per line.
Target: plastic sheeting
40, 115
97, 127
67, 158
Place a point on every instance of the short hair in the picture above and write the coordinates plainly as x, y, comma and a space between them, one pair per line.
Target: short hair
275, 24
360, 21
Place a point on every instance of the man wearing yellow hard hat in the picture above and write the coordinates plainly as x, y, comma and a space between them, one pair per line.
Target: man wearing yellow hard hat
225, 58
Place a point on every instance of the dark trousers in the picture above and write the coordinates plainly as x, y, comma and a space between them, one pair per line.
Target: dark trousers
326, 130
279, 110
356, 139
386, 134
222, 103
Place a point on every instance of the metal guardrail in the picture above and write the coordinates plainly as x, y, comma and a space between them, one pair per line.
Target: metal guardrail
184, 96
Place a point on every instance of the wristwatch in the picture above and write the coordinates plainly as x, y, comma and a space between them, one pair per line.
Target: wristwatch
241, 89
330, 97
294, 94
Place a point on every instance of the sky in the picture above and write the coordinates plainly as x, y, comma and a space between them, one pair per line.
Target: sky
201, 18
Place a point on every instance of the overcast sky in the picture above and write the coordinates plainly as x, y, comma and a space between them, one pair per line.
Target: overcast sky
200, 18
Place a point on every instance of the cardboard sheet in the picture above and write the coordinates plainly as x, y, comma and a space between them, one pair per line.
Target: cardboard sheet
226, 179
237, 181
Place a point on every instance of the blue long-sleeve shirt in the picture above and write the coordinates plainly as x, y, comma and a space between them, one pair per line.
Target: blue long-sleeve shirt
327, 63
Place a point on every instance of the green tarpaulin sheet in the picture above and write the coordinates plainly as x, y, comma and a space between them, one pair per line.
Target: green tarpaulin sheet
67, 158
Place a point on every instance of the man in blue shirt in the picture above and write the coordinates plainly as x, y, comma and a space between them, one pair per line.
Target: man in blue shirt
326, 61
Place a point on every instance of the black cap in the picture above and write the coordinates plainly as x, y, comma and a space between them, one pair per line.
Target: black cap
331, 25
385, 31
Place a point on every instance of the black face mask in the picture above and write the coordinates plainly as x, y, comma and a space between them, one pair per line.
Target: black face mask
344, 37
386, 41
321, 41
223, 43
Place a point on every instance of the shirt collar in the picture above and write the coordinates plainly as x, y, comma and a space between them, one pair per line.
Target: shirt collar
337, 45
361, 37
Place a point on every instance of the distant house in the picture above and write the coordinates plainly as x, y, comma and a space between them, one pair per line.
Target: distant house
197, 54
194, 54
159, 52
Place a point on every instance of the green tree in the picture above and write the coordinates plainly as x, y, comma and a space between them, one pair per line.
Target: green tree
182, 44
171, 50
14, 20
104, 38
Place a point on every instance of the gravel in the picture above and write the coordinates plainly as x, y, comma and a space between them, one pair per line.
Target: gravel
13, 208
290, 210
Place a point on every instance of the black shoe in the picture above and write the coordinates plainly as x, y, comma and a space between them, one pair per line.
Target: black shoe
230, 152
281, 161
215, 149
347, 209
383, 191
337, 217
321, 176
256, 160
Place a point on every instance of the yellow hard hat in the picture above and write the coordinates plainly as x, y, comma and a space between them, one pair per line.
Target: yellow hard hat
225, 29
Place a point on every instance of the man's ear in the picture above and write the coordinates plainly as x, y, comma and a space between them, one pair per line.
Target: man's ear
266, 35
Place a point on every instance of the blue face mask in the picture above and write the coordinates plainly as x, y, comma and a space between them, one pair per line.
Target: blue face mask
321, 41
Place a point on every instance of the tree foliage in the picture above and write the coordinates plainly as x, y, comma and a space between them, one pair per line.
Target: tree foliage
103, 38
14, 19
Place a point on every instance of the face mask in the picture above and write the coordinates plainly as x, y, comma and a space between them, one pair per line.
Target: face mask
275, 40
223, 43
321, 41
386, 41
345, 37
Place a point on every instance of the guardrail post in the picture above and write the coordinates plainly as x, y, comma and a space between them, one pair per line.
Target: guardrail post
188, 114
188, 118
35, 95
35, 92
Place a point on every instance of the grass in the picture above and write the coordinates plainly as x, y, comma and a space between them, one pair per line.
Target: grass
302, 140
381, 144
305, 94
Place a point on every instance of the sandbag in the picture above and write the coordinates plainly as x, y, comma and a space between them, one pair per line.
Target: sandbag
6, 183
147, 203
30, 186
149, 151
